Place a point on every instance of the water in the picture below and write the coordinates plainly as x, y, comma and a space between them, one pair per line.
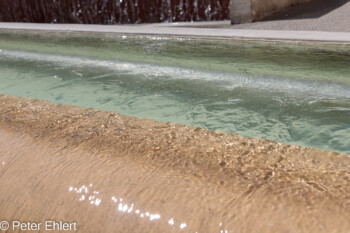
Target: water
63, 166
287, 93
113, 11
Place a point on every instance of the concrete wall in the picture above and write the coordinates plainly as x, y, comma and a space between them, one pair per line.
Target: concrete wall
245, 11
240, 11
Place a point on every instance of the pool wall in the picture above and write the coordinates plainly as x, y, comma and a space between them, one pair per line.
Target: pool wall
190, 30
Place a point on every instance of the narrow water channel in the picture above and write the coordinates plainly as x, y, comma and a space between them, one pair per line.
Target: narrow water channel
295, 94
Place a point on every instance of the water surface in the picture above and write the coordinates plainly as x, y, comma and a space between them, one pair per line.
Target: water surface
294, 94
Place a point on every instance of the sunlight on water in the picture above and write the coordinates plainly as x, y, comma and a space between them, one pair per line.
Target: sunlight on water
85, 194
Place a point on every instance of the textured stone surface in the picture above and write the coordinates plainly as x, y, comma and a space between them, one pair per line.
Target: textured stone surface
209, 180
221, 29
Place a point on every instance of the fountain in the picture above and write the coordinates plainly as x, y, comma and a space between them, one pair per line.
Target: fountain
113, 11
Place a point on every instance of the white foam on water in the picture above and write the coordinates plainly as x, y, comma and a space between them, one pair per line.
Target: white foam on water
294, 87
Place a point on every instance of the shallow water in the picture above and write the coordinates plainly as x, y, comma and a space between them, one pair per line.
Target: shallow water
287, 93
113, 173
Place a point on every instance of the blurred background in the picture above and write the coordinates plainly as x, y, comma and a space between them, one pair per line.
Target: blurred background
113, 11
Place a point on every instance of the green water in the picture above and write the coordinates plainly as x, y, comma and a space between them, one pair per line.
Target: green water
295, 94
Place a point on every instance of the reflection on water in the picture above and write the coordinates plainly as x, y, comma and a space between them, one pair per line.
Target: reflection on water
93, 198
124, 207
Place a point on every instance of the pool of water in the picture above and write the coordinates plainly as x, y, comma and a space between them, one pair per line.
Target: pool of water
296, 94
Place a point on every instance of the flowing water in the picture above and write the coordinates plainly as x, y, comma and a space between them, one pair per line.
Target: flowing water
112, 11
105, 172
295, 94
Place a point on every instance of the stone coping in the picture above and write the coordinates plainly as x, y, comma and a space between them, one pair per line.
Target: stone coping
219, 29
